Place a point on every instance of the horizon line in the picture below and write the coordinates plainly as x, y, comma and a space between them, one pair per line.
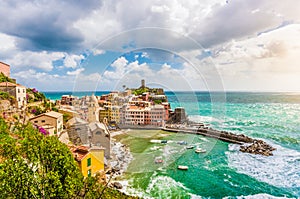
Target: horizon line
225, 91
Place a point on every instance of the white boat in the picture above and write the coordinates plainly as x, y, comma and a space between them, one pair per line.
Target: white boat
199, 150
182, 167
189, 147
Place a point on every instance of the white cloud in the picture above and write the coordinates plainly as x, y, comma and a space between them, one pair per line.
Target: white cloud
75, 72
260, 63
40, 60
144, 54
73, 61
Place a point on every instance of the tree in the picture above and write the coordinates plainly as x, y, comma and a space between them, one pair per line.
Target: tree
36, 166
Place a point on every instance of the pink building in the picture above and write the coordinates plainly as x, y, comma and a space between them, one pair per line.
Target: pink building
5, 69
158, 115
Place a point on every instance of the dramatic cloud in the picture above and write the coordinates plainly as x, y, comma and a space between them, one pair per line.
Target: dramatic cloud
44, 25
249, 38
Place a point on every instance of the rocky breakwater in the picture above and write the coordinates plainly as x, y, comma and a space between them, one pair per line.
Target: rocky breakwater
248, 145
258, 147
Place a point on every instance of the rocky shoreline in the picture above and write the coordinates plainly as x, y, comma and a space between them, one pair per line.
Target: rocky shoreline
120, 159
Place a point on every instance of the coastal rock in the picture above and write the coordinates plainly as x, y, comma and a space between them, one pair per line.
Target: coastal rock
117, 185
258, 147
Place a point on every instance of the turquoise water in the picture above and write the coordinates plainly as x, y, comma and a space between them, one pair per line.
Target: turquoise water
221, 172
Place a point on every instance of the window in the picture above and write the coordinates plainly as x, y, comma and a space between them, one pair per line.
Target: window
18, 90
98, 133
43, 121
23, 90
89, 162
36, 121
89, 172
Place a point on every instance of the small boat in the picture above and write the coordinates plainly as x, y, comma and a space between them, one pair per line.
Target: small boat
164, 141
190, 147
158, 160
182, 167
182, 142
199, 150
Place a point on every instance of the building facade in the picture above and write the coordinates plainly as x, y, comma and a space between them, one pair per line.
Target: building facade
100, 137
17, 91
47, 120
5, 69
90, 160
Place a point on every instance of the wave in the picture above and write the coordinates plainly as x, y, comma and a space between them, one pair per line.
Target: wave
204, 119
159, 187
257, 196
280, 170
166, 187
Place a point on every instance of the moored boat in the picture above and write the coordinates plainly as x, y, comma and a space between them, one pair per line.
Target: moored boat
182, 167
158, 160
189, 147
199, 150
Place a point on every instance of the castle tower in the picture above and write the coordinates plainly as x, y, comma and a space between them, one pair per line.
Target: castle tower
93, 109
143, 83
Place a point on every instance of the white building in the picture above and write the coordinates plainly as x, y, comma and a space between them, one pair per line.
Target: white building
16, 90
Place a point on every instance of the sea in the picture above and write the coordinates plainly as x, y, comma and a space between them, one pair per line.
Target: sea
223, 171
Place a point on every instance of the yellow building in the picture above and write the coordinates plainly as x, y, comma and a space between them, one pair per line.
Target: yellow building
115, 114
90, 160
105, 113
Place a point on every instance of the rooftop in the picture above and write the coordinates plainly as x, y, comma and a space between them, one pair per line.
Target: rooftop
53, 114
9, 84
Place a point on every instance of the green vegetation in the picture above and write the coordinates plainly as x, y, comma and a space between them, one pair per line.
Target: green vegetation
36, 166
157, 101
34, 95
4, 78
140, 91
7, 96
33, 165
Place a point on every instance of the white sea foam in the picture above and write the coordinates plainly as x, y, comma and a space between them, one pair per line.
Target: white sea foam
257, 196
205, 119
281, 169
160, 186
193, 196
203, 139
165, 187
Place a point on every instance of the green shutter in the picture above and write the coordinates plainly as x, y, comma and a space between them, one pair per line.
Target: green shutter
89, 162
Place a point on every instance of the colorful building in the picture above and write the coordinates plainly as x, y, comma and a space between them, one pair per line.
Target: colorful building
51, 121
17, 91
93, 109
105, 113
100, 136
90, 160
5, 69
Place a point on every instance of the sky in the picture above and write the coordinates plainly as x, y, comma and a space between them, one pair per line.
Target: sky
210, 45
